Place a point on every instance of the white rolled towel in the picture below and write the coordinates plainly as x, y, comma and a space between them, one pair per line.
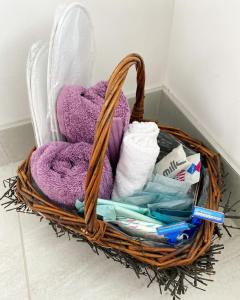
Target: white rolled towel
138, 155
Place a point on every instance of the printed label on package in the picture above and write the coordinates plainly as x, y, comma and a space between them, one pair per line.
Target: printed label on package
208, 214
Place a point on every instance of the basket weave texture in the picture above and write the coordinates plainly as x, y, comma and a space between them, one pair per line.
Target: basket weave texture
99, 232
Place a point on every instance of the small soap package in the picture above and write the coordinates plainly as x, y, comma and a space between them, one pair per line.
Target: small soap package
191, 174
172, 163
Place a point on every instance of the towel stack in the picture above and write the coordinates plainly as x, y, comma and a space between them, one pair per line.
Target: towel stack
59, 168
78, 109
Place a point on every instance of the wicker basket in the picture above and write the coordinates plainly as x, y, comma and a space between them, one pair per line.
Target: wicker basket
95, 231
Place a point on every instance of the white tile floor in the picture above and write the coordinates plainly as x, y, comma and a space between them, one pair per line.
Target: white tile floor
36, 265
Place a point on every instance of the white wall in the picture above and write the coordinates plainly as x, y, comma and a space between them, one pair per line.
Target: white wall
204, 69
120, 26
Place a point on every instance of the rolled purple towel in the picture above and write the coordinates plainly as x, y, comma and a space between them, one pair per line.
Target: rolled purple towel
78, 109
59, 169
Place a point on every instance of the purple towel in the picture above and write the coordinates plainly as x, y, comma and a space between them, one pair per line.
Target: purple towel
78, 109
59, 169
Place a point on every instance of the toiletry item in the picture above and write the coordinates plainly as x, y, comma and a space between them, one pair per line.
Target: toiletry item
71, 55
145, 199
163, 191
167, 219
191, 174
141, 229
172, 203
166, 185
78, 109
111, 210
174, 233
167, 142
181, 214
59, 169
203, 213
172, 163
139, 151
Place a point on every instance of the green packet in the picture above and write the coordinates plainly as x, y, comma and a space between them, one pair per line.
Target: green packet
112, 211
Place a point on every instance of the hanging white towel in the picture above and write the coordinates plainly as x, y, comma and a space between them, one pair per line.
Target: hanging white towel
139, 151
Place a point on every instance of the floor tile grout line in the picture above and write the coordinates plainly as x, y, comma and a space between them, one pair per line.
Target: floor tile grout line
24, 257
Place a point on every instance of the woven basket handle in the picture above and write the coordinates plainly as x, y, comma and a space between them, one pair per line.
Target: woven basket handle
103, 130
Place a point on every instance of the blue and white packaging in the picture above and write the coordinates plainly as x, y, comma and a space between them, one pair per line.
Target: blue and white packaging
174, 233
208, 214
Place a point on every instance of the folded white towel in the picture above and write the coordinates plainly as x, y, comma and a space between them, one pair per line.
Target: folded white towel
139, 151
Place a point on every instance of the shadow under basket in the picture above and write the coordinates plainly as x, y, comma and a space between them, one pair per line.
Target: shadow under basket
171, 267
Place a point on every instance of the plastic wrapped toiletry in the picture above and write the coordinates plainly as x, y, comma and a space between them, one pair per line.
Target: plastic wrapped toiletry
172, 234
167, 218
160, 189
140, 199
167, 199
175, 233
172, 163
166, 185
162, 200
37, 92
179, 204
71, 56
141, 222
111, 210
180, 214
168, 142
191, 174
140, 229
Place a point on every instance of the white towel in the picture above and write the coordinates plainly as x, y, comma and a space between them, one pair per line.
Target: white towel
139, 151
